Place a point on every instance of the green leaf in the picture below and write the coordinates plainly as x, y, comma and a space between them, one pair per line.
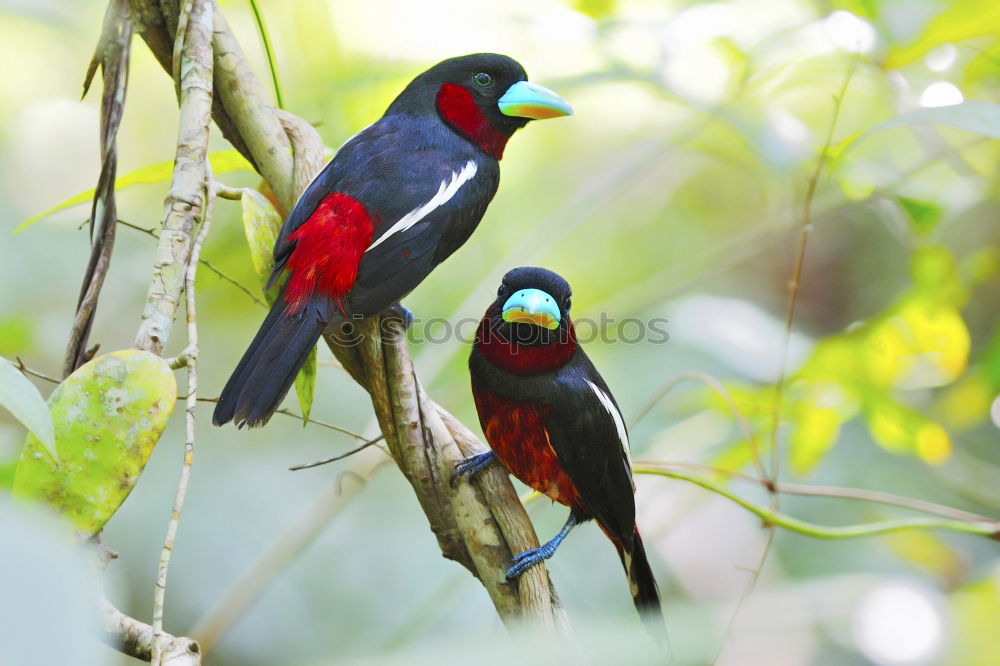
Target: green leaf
924, 215
108, 415
305, 385
973, 116
261, 224
962, 20
24, 401
223, 161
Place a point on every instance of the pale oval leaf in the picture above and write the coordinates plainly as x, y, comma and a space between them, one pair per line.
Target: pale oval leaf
23, 400
108, 415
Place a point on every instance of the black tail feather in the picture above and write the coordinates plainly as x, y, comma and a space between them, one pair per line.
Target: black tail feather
269, 366
645, 593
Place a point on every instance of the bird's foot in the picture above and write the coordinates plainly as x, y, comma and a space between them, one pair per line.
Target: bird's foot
399, 312
530, 558
473, 465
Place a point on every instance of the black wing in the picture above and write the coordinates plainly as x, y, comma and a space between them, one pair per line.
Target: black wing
395, 168
588, 434
451, 198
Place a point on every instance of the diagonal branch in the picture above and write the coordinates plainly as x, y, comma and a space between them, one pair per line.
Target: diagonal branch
186, 197
467, 520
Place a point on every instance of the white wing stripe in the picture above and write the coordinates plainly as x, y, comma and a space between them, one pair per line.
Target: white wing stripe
444, 194
619, 423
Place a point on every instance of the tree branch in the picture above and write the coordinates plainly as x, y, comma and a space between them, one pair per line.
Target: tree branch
187, 192
135, 638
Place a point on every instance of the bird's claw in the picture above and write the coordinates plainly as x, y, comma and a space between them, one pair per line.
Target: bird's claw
401, 313
527, 559
473, 465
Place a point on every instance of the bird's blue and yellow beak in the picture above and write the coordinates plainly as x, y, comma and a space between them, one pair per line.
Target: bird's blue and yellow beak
530, 100
532, 306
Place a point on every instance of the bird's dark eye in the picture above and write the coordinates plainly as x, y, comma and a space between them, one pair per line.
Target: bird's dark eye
566, 304
502, 289
482, 79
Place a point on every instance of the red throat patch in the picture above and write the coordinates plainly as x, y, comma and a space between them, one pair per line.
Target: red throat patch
328, 249
523, 360
459, 109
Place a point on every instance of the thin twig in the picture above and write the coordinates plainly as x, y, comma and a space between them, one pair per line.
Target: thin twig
34, 373
322, 424
203, 262
800, 254
348, 454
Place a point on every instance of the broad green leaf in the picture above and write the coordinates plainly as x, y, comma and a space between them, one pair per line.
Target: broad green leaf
261, 224
108, 415
974, 115
962, 20
223, 161
23, 400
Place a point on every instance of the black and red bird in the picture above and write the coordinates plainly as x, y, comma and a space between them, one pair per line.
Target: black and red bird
395, 201
552, 422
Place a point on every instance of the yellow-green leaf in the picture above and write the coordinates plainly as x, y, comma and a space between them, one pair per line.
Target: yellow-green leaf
261, 224
223, 161
108, 415
962, 20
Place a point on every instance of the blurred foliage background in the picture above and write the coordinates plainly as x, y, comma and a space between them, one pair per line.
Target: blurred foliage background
676, 192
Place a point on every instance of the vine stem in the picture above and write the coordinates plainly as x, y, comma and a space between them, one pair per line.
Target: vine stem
986, 528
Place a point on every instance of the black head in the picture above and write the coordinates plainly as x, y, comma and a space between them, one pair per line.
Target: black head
485, 97
532, 307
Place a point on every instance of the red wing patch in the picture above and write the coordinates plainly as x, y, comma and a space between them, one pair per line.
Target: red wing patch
516, 432
328, 250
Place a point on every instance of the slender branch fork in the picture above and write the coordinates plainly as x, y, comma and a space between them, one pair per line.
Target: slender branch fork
190, 358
